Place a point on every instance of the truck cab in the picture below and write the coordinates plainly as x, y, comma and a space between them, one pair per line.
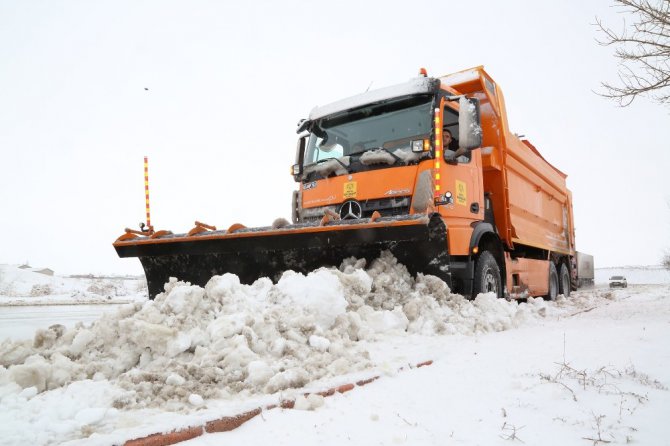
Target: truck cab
507, 211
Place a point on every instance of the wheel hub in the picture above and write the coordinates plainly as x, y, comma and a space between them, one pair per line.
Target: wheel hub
490, 284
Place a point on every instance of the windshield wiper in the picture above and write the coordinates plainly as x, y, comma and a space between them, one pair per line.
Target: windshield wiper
328, 159
395, 157
321, 161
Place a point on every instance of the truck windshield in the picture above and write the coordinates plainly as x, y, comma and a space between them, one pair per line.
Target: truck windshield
391, 126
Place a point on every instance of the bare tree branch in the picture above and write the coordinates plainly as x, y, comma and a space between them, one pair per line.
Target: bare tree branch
643, 51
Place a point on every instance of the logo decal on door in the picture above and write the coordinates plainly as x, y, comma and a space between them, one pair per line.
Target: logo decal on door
461, 193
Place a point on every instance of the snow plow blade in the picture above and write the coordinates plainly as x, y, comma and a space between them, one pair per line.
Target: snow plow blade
417, 241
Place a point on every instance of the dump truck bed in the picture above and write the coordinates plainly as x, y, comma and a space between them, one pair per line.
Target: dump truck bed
539, 201
532, 204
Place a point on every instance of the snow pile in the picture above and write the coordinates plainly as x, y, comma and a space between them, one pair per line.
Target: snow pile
228, 338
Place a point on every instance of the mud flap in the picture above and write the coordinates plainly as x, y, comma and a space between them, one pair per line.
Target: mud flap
421, 246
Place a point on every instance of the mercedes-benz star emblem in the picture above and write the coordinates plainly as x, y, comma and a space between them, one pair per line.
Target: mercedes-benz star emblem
351, 209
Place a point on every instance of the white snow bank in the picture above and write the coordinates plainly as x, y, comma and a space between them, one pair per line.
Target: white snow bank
196, 353
228, 338
51, 417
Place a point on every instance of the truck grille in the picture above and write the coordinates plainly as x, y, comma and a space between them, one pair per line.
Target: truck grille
387, 207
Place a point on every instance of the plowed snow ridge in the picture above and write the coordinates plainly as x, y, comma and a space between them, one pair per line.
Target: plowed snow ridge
227, 339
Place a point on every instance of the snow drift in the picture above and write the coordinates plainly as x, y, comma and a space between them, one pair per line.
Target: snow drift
228, 338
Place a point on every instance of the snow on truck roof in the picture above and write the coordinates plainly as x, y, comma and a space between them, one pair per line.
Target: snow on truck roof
419, 85
462, 77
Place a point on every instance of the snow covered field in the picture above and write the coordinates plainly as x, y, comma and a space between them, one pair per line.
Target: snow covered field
640, 275
26, 287
590, 368
30, 300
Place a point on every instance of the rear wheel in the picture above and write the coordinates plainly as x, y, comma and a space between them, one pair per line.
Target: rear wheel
487, 275
564, 280
553, 282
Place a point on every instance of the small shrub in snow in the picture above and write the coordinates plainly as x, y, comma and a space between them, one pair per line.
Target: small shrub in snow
40, 290
624, 391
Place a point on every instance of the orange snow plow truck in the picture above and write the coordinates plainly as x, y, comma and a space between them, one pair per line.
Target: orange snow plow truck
428, 170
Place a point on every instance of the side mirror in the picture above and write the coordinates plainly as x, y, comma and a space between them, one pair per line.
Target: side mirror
303, 125
296, 169
469, 123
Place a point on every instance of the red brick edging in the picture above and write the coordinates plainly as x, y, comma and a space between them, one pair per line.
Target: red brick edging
164, 439
226, 424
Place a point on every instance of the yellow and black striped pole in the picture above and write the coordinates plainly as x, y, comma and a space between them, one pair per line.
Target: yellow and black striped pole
146, 191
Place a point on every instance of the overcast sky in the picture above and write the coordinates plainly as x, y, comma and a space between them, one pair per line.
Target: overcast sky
228, 81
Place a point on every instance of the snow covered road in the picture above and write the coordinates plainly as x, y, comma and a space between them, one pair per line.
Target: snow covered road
22, 321
496, 387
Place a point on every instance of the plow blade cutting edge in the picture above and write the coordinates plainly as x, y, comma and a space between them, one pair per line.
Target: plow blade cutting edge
417, 241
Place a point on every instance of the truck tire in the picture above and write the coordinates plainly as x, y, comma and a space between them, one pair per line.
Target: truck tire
564, 285
575, 283
553, 282
487, 275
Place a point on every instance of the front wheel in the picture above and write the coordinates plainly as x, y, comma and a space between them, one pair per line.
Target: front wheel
487, 275
553, 282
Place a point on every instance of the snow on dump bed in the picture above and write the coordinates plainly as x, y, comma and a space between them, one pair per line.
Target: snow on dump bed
228, 338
